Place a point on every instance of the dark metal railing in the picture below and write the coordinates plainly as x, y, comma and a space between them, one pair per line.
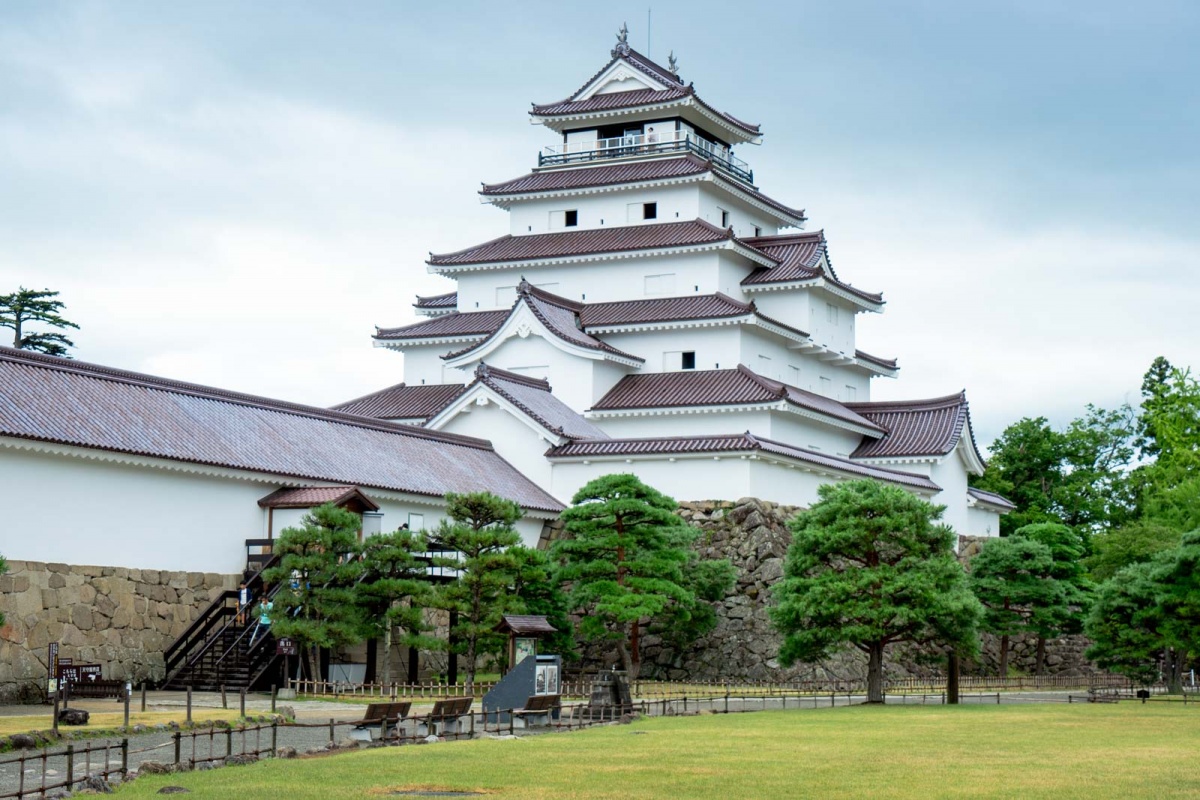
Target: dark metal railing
643, 145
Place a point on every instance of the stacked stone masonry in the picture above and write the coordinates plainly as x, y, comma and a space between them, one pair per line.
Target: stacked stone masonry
120, 618
754, 536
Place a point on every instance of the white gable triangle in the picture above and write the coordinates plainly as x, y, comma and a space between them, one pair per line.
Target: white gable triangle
619, 77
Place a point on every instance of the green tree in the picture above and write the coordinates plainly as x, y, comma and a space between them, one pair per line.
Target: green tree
394, 592
1179, 597
870, 566
1026, 467
1154, 388
480, 532
1134, 543
25, 307
1013, 579
539, 592
1125, 624
1066, 548
709, 580
623, 556
317, 575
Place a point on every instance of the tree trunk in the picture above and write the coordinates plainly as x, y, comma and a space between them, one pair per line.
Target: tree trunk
635, 650
1041, 655
470, 681
387, 655
1174, 670
17, 331
875, 672
626, 660
311, 660
952, 672
1004, 656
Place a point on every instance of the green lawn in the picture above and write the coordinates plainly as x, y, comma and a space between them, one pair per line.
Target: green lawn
1054, 751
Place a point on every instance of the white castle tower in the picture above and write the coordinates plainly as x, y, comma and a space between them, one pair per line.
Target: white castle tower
651, 311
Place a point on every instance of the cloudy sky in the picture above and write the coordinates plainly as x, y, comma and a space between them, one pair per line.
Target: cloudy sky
236, 193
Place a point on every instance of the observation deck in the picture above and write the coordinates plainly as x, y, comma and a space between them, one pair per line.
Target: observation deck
635, 146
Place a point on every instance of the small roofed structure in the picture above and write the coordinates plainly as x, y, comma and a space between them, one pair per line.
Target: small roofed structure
350, 497
523, 631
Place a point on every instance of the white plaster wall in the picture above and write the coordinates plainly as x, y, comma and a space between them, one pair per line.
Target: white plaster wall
951, 475
516, 442
812, 435
791, 307
424, 365
982, 522
570, 376
684, 479
609, 279
65, 509
838, 336
742, 216
715, 348
605, 210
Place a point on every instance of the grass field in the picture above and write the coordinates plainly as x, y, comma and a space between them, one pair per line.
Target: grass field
108, 720
1060, 751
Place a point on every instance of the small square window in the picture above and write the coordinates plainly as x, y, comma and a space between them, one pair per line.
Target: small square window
757, 231
724, 218
570, 219
649, 210
687, 360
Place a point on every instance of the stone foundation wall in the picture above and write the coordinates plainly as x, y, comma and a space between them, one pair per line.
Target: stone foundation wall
754, 536
122, 619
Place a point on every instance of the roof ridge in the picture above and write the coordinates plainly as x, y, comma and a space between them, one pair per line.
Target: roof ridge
368, 395
101, 372
927, 404
438, 320
779, 389
485, 371
788, 238
525, 287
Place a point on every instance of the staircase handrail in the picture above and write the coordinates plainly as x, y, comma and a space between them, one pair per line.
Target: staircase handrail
182, 647
249, 629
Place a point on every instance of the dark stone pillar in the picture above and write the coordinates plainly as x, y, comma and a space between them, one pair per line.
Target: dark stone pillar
952, 670
414, 664
372, 658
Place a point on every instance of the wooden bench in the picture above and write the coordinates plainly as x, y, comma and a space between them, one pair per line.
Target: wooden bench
539, 709
384, 717
444, 718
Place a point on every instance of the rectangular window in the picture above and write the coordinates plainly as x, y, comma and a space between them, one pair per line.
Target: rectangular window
724, 218
687, 360
660, 284
416, 522
649, 210
570, 218
831, 313
764, 366
793, 375
826, 387
851, 394
757, 231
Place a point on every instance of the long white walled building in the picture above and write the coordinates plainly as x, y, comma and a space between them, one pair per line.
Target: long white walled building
649, 310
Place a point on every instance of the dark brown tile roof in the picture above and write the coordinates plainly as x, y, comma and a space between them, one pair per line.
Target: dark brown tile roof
664, 309
534, 397
618, 174
472, 323
915, 427
719, 387
799, 256
49, 399
309, 496
991, 498
404, 402
522, 624
561, 318
586, 242
637, 98
888, 363
733, 443
438, 301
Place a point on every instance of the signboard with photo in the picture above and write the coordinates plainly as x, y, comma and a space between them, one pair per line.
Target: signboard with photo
546, 681
524, 647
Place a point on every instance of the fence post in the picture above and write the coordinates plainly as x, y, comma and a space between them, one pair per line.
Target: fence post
70, 766
224, 704
54, 722
143, 696
189, 709
229, 741
331, 739
274, 693
178, 741
124, 757
128, 692
243, 703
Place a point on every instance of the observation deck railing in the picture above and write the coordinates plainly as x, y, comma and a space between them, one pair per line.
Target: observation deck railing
638, 145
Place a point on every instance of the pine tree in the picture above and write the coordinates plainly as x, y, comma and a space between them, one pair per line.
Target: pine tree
537, 591
317, 573
394, 592
869, 566
1067, 548
1125, 624
480, 532
1012, 577
623, 556
26, 306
